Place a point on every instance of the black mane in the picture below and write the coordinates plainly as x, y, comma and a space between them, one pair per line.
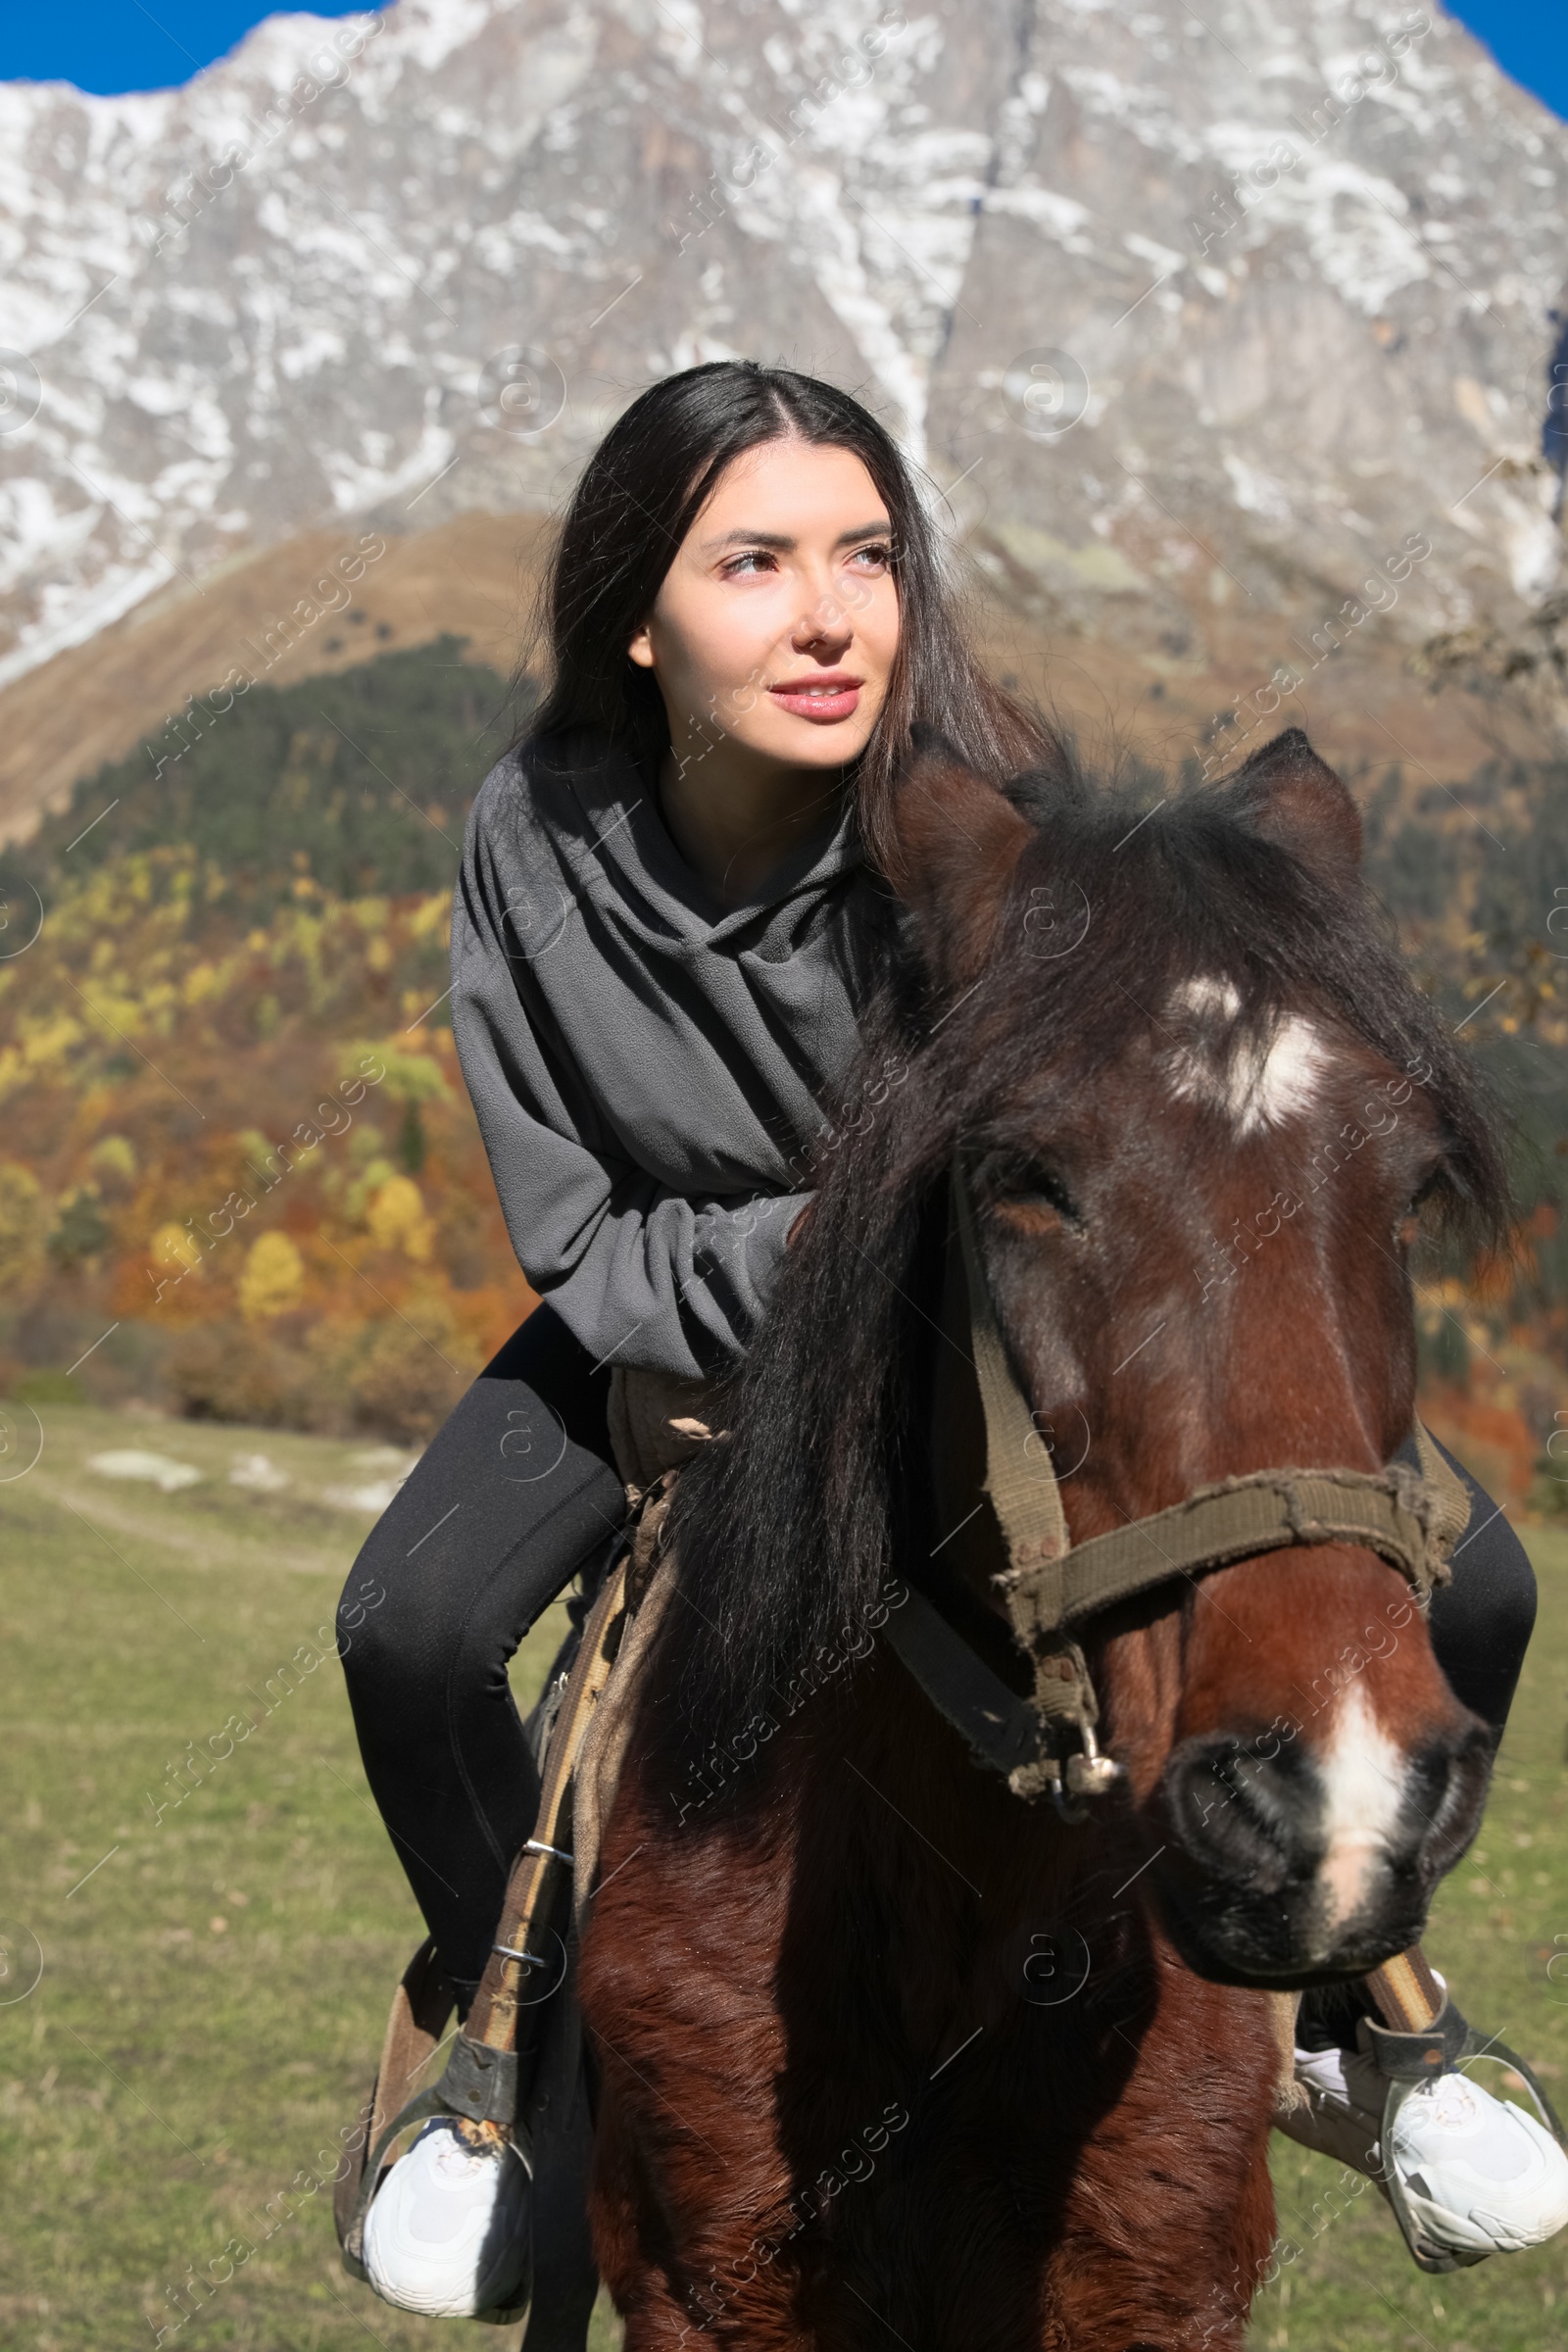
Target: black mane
788, 1528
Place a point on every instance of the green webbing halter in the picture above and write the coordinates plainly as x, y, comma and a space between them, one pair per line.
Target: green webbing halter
1046, 1746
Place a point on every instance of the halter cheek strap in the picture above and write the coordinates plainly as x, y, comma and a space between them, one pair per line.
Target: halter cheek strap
1045, 1745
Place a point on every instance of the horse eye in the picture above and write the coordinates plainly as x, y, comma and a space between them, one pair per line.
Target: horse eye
1040, 1196
1407, 1225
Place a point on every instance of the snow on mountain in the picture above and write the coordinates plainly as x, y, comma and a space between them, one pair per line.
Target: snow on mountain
1256, 312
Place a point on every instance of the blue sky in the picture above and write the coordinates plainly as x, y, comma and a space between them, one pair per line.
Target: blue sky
112, 45
1529, 38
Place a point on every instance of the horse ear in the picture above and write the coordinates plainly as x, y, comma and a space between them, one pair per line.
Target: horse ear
955, 841
1295, 799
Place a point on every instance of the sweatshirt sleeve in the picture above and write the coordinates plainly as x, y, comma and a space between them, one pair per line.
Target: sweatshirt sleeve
639, 1273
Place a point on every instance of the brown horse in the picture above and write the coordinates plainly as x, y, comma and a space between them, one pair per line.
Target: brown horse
885, 2053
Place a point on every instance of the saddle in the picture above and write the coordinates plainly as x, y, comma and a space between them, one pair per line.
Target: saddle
517, 2067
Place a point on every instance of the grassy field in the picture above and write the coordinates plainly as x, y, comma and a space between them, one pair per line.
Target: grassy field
214, 1971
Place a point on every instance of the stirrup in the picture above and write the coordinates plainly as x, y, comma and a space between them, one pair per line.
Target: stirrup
478, 2085
1410, 2059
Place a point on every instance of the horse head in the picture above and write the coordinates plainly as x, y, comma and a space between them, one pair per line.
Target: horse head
1205, 1114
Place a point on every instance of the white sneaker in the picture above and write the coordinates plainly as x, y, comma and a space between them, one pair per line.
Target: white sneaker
1481, 2175
447, 2232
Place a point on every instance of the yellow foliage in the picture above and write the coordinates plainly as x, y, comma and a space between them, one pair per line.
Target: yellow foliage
274, 1277
47, 1040
431, 915
406, 1077
159, 1006
398, 1221
176, 1245
370, 1179
24, 1219
114, 1158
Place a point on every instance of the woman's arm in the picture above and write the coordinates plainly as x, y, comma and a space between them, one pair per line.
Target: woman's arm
637, 1271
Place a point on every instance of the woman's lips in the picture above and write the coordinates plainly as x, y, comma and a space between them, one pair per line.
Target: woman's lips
833, 698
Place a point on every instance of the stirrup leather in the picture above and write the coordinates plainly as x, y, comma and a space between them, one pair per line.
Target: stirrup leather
1410, 2059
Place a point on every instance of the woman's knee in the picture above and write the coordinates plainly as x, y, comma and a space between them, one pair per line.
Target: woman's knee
448, 1612
1492, 1579
1482, 1619
376, 1642
1492, 1591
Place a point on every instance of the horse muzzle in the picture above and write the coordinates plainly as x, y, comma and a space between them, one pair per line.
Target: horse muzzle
1313, 1863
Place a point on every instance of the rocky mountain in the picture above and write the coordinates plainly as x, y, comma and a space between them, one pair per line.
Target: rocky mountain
1229, 339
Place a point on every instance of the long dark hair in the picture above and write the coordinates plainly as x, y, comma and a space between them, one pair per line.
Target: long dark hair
639, 494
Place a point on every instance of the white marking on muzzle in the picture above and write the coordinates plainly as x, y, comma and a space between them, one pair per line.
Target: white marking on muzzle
1363, 1773
1260, 1085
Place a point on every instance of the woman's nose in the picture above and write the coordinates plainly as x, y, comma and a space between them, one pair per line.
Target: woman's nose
826, 623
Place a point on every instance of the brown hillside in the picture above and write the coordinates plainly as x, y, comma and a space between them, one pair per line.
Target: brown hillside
474, 576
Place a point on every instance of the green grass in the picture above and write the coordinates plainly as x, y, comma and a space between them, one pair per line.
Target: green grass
214, 1993
167, 2077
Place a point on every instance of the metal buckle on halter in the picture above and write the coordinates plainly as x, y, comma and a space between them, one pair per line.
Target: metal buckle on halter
1085, 1774
1070, 1809
1090, 1773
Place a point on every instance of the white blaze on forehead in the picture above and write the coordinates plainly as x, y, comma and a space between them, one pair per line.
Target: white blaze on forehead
1258, 1083
1207, 993
1363, 1773
1281, 1082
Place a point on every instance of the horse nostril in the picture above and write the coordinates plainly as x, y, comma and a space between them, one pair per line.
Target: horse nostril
1449, 1789
1238, 1812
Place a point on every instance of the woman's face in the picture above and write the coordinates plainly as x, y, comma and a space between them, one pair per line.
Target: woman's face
777, 622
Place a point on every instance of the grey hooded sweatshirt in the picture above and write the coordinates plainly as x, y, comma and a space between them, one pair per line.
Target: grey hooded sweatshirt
645, 1064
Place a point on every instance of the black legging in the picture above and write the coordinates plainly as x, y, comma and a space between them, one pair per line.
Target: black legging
514, 1496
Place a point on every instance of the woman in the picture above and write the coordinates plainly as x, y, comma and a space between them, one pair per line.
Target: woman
667, 921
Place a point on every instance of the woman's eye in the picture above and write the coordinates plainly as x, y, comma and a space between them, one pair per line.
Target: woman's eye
880, 553
758, 555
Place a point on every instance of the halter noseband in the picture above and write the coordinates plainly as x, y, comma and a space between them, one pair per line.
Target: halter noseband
1045, 1745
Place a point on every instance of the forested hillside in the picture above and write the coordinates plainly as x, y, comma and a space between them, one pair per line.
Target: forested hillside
239, 1165
360, 779
240, 1175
